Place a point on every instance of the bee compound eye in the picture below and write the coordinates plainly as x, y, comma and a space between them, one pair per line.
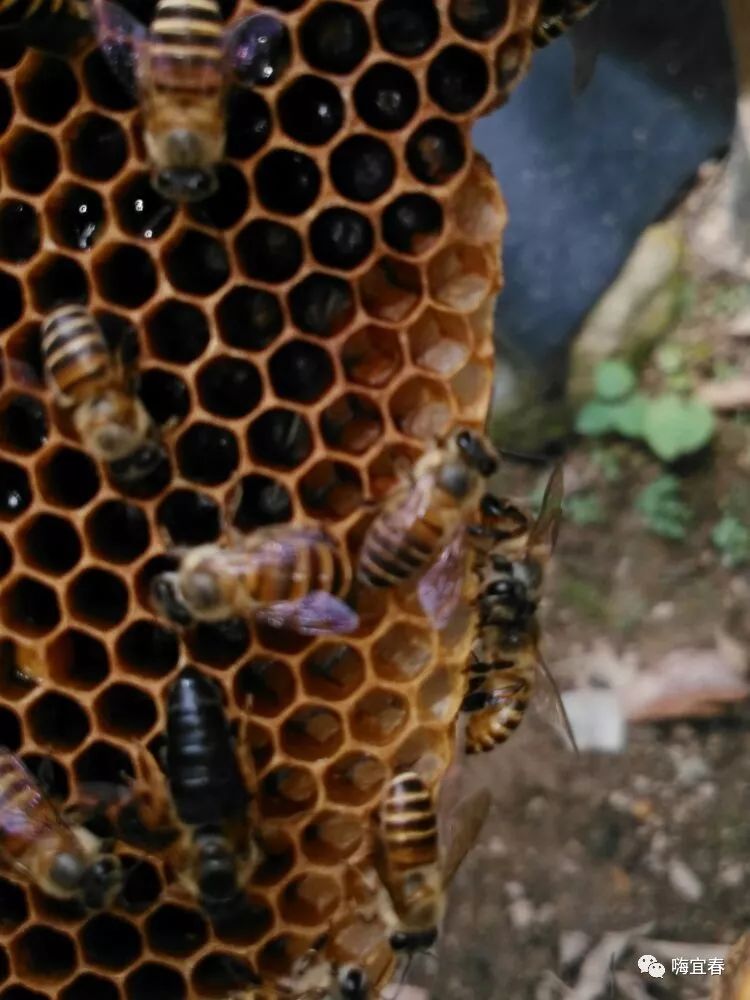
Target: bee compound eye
185, 183
67, 870
166, 601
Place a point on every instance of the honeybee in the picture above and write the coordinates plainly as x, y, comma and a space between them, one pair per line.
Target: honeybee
557, 16
421, 525
414, 873
180, 69
65, 861
283, 576
84, 377
507, 666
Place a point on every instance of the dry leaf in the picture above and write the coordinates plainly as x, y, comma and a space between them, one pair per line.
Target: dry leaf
728, 394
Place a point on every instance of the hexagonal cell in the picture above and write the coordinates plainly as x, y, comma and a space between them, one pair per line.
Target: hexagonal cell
6, 107
331, 490
248, 123
438, 696
21, 667
249, 318
118, 531
269, 251
372, 356
440, 342
403, 652
31, 161
103, 86
229, 387
57, 280
262, 746
287, 791
334, 37
421, 408
124, 710
10, 729
251, 924
143, 884
11, 300
18, 992
219, 645
218, 973
125, 275
457, 79
4, 965
141, 210
50, 544
341, 238
379, 716
412, 223
386, 96
264, 501
19, 230
29, 607
391, 290
148, 650
479, 209
470, 387
6, 557
77, 660
90, 987
355, 778
461, 277
311, 110
352, 423
269, 682
312, 732
322, 304
98, 598
436, 151
333, 671
189, 517
425, 750
310, 900
511, 61
407, 27
226, 206
478, 20
280, 438
177, 331
23, 423
362, 168
101, 761
110, 942
46, 88
196, 263
43, 955
95, 146
207, 454
76, 216
165, 396
278, 857
68, 478
14, 909
55, 720
331, 837
287, 181
175, 930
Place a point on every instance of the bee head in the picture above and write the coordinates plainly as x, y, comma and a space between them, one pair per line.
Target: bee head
353, 983
185, 172
477, 453
217, 874
101, 882
138, 465
413, 940
167, 602
67, 871
111, 425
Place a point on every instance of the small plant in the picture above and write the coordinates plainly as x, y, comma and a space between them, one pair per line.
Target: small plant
732, 538
663, 510
584, 509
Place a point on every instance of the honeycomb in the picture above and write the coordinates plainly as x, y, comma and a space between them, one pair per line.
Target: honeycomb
300, 333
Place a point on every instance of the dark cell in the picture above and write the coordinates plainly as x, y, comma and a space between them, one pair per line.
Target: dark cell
248, 123
141, 210
229, 387
178, 331
103, 762
227, 204
362, 168
207, 454
287, 182
78, 660
435, 151
14, 909
249, 318
56, 281
98, 598
457, 79
57, 721
126, 276
335, 38
141, 890
407, 27
352, 423
6, 557
147, 649
264, 501
280, 438
410, 220
12, 49
48, 91
11, 300
97, 147
15, 492
10, 734
269, 251
90, 987
189, 517
30, 607
341, 238
272, 52
311, 110
221, 644
103, 86
219, 973
70, 478
31, 161
322, 304
110, 942
126, 711
331, 490
77, 216
386, 96
44, 954
174, 930
51, 544
19, 230
23, 423
118, 531
197, 264
6, 107
269, 682
478, 19
165, 396
301, 371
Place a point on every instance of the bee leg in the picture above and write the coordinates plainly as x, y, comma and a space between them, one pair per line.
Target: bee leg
151, 792
232, 506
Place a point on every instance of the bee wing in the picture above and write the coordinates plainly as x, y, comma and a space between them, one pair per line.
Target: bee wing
440, 588
250, 45
121, 38
465, 825
547, 703
318, 613
543, 535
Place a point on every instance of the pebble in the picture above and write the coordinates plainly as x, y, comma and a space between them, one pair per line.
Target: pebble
496, 847
514, 890
521, 914
689, 770
684, 881
732, 875
572, 946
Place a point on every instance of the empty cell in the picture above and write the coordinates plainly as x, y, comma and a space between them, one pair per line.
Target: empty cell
143, 885
421, 408
125, 275
402, 653
335, 37
249, 318
470, 386
386, 96
6, 107
90, 987
103, 86
57, 721
148, 650
98, 598
12, 49
29, 607
4, 965
440, 342
77, 660
280, 438
229, 387
412, 223
322, 304
478, 19
461, 277
333, 671
124, 710
220, 972
312, 732
207, 454
46, 88
379, 716
372, 356
68, 478
220, 644
287, 791
331, 489
22, 993
362, 168
15, 490
435, 151
407, 27
51, 544
310, 899
174, 930
23, 423
311, 110
165, 396
511, 60
31, 161
11, 737
249, 924
43, 955
19, 230
57, 280
391, 290
76, 215
11, 300
177, 331
95, 146
457, 79
248, 123
301, 371
269, 251
118, 531
189, 517
196, 263
226, 206
264, 501
110, 942
287, 181
101, 761
6, 557
141, 210
332, 837
355, 778
14, 909
341, 238
353, 423
269, 682
278, 857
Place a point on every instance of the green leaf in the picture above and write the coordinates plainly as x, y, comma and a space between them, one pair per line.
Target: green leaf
613, 380
595, 418
628, 416
732, 538
670, 359
673, 427
663, 510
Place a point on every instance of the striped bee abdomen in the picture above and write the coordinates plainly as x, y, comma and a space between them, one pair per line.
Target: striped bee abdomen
185, 51
289, 564
409, 823
392, 554
76, 358
21, 799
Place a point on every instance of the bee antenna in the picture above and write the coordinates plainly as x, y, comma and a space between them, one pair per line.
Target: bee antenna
523, 456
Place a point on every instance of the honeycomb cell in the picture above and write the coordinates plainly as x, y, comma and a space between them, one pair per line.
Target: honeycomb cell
6, 107
341, 238
68, 478
174, 930
312, 732
101, 761
77, 660
421, 408
196, 263
322, 304
249, 318
280, 438
264, 501
249, 925
6, 557
226, 206
103, 87
333, 671
143, 885
30, 161
90, 987
43, 955
4, 966
22, 993
278, 857
288, 791
310, 900
11, 300
95, 146
334, 37
435, 151
269, 251
386, 96
76, 216
248, 123
189, 517
331, 490
437, 699
126, 711
98, 598
269, 682
412, 223
403, 652
355, 778
29, 607
14, 909
372, 356
141, 210
262, 747
20, 668
23, 423
439, 342
362, 168
10, 730
55, 720
353, 423
301, 371
287, 181
229, 387
379, 716
50, 544
331, 837
125, 275
12, 50
207, 454
46, 88
457, 79
218, 973
407, 27
478, 19
219, 645
469, 385
148, 650
426, 751
511, 61
57, 280
110, 942
311, 110
177, 331
460, 277
391, 290
118, 531
165, 396
19, 230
